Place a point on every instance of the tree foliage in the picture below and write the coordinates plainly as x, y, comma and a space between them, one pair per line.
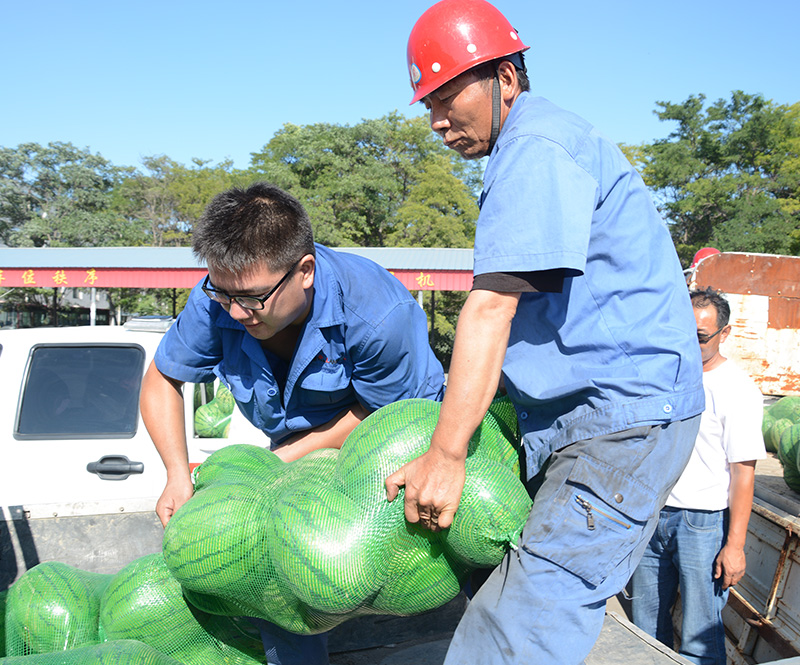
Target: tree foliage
58, 196
355, 181
727, 174
166, 198
439, 210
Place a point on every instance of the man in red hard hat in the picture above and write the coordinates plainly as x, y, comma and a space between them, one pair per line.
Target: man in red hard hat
597, 349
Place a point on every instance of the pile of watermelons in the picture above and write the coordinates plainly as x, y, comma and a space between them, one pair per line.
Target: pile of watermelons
781, 429
305, 545
213, 419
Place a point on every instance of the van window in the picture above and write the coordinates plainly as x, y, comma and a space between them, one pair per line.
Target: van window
77, 391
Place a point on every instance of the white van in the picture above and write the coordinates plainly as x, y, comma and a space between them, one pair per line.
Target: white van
79, 475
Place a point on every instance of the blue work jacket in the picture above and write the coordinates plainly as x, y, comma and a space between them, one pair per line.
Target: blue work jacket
617, 348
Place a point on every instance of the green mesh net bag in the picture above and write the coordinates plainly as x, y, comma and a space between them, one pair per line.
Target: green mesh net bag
54, 607
120, 652
305, 545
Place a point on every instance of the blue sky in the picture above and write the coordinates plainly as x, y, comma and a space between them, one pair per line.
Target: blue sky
216, 80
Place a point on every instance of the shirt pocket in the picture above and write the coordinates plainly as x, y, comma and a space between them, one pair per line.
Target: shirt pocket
595, 521
241, 391
243, 395
327, 386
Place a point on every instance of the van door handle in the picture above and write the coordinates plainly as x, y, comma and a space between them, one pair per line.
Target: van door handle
114, 467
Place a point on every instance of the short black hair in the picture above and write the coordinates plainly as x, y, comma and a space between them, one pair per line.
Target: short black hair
487, 70
260, 224
702, 298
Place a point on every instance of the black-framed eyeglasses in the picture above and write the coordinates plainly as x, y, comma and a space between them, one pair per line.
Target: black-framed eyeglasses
245, 302
705, 339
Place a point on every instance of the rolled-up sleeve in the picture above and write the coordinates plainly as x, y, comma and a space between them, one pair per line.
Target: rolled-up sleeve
192, 347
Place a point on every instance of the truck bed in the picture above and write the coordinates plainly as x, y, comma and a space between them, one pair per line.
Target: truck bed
620, 642
762, 618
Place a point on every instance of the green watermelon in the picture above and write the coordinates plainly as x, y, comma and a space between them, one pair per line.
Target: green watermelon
213, 420
144, 602
225, 398
304, 545
118, 652
53, 607
421, 576
774, 436
767, 421
203, 394
786, 407
788, 448
493, 509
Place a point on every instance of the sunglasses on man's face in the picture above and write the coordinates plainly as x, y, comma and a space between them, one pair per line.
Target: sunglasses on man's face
245, 302
705, 339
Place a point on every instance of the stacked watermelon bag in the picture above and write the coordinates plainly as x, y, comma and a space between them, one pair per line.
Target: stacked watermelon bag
781, 430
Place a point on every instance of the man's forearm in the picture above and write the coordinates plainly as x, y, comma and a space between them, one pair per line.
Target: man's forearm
740, 502
480, 345
161, 405
330, 435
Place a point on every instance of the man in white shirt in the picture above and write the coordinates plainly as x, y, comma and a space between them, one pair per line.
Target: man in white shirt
699, 542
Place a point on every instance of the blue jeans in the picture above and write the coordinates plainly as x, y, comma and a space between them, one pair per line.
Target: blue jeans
285, 648
681, 554
590, 523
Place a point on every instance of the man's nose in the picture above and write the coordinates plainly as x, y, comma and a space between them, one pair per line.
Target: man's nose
439, 122
238, 312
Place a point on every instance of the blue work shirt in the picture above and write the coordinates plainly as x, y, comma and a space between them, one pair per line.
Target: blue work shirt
365, 340
617, 348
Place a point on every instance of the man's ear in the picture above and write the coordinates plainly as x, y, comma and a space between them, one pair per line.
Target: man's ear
724, 334
509, 83
307, 267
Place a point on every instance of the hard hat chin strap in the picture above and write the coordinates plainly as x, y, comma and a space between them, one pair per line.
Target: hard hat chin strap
495, 113
518, 61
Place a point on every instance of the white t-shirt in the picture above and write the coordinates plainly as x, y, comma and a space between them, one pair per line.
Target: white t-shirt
730, 431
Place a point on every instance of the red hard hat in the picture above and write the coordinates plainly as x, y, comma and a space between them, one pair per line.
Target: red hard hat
454, 36
702, 254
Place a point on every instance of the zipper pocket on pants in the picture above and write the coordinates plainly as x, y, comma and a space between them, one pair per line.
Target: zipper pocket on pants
591, 510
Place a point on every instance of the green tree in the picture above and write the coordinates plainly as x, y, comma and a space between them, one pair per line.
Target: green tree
59, 196
439, 210
167, 198
145, 302
723, 177
354, 180
147, 198
635, 154
193, 187
443, 308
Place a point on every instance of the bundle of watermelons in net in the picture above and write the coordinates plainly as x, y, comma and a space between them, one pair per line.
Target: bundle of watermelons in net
781, 429
212, 420
305, 545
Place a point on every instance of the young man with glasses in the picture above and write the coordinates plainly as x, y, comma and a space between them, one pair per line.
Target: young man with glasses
699, 542
308, 340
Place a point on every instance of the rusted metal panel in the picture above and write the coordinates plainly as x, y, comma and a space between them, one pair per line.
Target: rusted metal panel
751, 274
764, 293
783, 648
784, 312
